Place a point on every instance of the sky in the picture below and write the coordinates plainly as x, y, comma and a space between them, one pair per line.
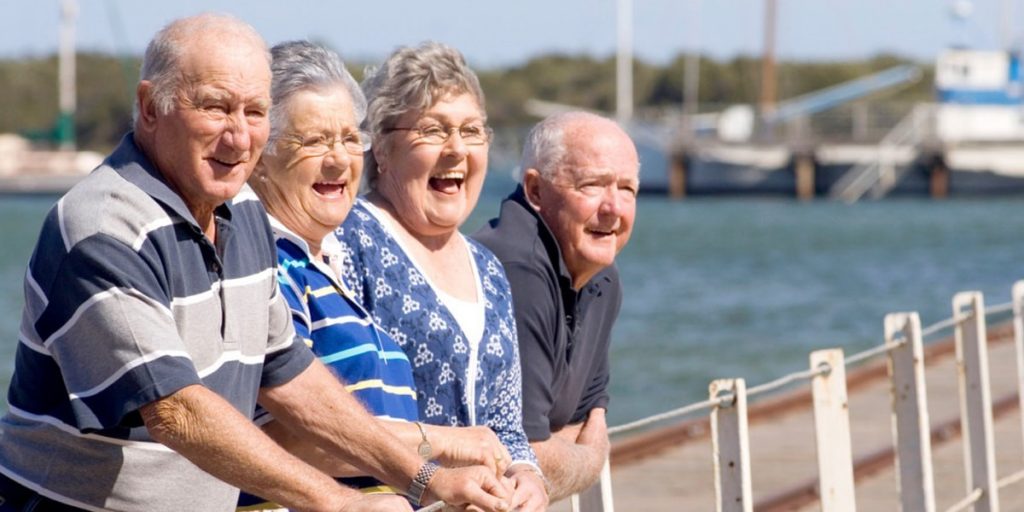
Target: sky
497, 34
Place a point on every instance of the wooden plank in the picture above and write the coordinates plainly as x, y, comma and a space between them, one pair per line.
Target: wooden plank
975, 399
731, 447
910, 422
832, 432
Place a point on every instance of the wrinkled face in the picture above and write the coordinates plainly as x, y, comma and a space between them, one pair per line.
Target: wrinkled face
433, 187
590, 203
311, 186
209, 143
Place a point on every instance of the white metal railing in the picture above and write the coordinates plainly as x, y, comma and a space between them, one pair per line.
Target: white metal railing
911, 430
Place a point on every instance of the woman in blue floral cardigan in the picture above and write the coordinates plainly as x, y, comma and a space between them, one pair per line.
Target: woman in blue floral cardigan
441, 296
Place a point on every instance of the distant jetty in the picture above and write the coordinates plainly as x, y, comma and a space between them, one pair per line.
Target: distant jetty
25, 170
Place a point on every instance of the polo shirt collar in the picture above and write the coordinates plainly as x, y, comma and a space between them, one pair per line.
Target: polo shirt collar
133, 165
330, 246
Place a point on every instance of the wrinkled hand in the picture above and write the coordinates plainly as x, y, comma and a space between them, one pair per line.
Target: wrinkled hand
376, 503
472, 485
529, 494
469, 446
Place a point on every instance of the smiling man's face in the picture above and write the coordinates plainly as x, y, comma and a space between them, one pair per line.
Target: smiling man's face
590, 201
208, 144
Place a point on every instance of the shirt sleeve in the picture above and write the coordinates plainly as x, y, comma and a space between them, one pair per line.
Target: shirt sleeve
536, 331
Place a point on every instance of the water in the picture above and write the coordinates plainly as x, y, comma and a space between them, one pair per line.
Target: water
732, 288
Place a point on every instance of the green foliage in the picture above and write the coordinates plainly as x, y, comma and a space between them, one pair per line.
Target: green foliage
106, 87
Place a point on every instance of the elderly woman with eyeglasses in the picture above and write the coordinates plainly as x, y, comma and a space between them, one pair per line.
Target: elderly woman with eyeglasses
443, 297
307, 180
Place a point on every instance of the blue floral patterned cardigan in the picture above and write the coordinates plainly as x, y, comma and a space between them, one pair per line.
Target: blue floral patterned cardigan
395, 292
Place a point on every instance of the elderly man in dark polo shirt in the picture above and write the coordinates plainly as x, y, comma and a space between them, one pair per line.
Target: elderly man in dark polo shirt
557, 236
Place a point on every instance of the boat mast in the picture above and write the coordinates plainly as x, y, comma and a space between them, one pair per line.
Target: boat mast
768, 60
65, 129
691, 72
624, 63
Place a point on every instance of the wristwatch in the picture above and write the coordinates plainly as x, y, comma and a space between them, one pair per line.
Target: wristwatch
424, 449
420, 481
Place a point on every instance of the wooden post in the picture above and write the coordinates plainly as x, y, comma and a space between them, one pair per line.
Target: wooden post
975, 399
1018, 340
939, 178
803, 167
598, 497
677, 169
731, 447
832, 432
911, 432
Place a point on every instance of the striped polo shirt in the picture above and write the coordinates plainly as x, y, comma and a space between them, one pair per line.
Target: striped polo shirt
126, 302
343, 335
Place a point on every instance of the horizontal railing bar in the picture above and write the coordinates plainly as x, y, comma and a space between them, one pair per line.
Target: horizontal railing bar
968, 500
868, 354
1009, 480
788, 379
706, 404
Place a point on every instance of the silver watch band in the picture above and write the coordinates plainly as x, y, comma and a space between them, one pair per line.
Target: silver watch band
420, 482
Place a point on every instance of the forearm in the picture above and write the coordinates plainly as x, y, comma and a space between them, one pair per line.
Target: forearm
309, 452
337, 423
209, 432
572, 458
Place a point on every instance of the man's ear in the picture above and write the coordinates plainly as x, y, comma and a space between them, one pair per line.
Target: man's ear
147, 107
531, 187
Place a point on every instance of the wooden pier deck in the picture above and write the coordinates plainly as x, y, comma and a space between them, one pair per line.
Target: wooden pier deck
671, 469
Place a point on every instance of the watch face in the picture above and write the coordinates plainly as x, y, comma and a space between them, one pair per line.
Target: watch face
424, 450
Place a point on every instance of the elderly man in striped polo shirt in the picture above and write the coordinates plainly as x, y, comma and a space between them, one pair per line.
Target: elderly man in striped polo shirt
153, 323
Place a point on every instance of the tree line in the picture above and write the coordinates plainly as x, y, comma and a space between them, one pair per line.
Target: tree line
106, 84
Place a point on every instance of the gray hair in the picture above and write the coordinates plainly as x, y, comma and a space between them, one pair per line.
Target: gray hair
299, 66
545, 149
413, 79
161, 64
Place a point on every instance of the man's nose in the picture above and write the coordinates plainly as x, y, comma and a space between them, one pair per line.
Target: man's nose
612, 202
238, 133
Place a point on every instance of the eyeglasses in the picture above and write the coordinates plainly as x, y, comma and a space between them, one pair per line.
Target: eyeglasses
471, 134
319, 144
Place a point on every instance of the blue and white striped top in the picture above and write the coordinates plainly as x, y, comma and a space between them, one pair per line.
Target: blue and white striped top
341, 333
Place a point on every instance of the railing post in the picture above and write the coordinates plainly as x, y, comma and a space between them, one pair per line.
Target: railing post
832, 432
1018, 341
731, 447
975, 399
597, 497
911, 432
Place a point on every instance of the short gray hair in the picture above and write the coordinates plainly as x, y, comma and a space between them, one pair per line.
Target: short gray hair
161, 64
413, 78
299, 66
545, 149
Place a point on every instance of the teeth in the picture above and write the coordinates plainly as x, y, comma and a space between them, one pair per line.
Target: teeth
451, 175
